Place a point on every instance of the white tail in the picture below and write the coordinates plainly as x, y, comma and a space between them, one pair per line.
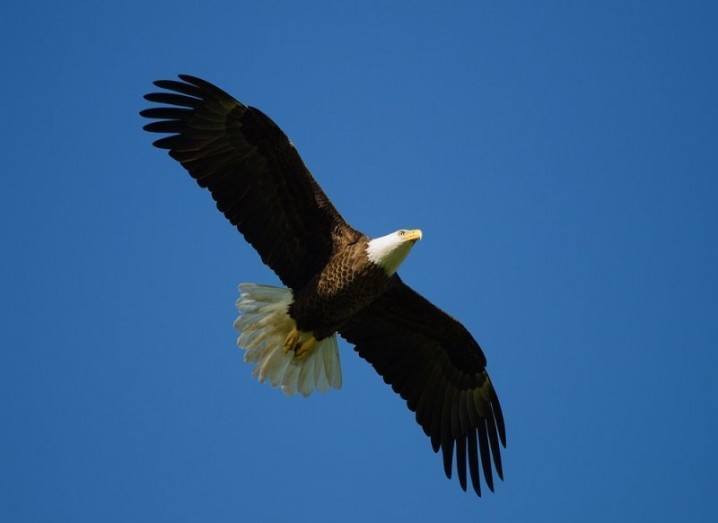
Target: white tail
264, 324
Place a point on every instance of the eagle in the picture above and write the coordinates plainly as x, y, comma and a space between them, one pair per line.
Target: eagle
338, 280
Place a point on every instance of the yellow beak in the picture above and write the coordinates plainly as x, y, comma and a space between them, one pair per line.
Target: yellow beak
413, 235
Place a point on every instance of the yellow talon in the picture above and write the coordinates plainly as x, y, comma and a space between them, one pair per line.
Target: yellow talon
301, 348
290, 342
305, 348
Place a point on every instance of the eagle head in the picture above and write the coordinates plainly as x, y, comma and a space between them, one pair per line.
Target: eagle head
389, 251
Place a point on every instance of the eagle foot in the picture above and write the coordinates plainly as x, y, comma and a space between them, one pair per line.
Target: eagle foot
305, 348
292, 340
300, 348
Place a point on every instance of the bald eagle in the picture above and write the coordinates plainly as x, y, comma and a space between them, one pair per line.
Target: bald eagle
339, 281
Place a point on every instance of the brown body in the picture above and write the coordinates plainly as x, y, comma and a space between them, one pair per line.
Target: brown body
347, 284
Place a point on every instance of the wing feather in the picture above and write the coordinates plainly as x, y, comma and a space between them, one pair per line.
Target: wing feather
433, 362
474, 463
254, 173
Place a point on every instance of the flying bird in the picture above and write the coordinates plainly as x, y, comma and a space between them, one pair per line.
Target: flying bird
338, 280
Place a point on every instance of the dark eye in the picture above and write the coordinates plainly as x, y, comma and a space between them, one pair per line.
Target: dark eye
401, 233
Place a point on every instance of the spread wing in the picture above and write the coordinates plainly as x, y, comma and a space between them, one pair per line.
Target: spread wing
433, 362
253, 172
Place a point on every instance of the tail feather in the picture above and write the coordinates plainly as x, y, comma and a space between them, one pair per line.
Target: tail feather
263, 324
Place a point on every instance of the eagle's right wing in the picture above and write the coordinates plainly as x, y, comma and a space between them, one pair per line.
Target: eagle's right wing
433, 362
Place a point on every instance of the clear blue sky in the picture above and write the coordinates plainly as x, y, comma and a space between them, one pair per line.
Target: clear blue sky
561, 160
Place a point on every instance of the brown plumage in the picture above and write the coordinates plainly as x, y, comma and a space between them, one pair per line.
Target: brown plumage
261, 185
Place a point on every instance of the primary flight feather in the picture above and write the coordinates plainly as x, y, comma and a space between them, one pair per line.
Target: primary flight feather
339, 280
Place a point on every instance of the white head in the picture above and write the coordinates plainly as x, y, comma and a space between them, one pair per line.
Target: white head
389, 251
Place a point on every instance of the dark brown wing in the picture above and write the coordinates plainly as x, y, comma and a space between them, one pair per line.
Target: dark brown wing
254, 174
433, 362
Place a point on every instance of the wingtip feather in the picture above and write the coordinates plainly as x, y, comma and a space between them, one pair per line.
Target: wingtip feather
448, 454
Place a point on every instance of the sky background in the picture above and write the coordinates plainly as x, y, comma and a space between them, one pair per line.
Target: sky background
561, 160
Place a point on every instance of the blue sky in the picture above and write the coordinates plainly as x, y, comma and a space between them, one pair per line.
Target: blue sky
561, 160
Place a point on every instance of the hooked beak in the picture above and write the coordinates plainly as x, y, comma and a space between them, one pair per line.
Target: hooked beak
413, 235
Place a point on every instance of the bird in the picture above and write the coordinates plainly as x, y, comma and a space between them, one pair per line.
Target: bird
338, 281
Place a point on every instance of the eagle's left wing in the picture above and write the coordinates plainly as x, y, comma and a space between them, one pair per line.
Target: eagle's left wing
253, 172
433, 362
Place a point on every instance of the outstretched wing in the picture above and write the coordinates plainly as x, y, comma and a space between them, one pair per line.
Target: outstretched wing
254, 174
433, 362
